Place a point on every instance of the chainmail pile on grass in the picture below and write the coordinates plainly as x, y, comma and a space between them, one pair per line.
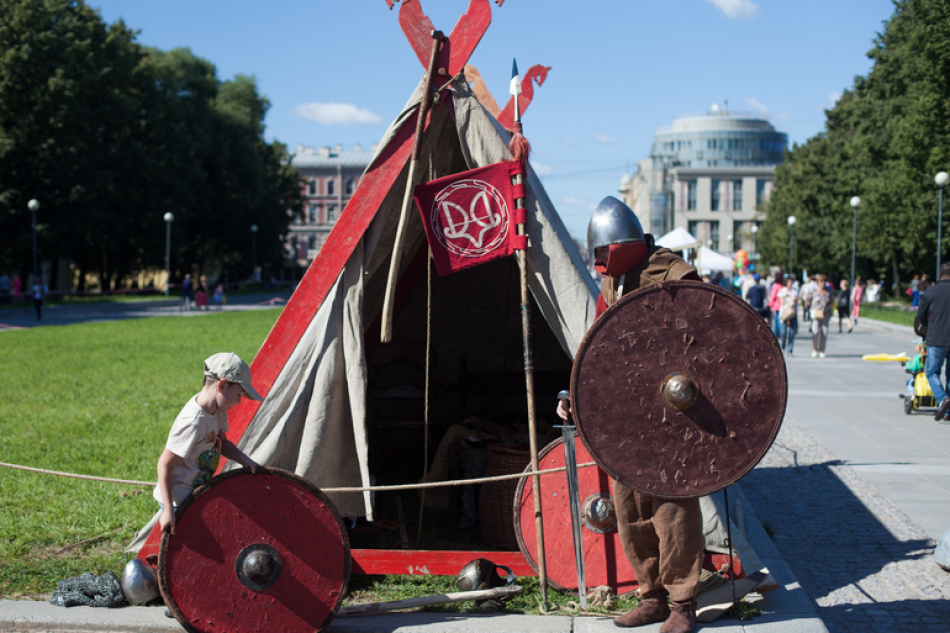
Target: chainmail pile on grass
89, 590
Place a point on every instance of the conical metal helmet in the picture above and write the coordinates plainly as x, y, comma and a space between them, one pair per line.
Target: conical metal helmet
613, 222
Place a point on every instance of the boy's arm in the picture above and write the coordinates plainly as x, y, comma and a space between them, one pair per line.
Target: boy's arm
232, 452
166, 464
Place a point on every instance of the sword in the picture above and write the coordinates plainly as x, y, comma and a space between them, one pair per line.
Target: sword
568, 432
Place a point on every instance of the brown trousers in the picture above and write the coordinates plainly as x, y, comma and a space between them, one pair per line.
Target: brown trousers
663, 540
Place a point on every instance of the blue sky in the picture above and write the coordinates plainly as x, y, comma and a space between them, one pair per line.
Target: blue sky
339, 71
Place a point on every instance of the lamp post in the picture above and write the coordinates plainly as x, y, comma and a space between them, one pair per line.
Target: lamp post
168, 249
941, 179
791, 240
34, 205
254, 252
855, 203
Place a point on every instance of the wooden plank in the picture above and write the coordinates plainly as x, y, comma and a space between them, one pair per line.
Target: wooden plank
430, 562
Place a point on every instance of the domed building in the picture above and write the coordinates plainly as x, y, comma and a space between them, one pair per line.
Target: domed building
709, 174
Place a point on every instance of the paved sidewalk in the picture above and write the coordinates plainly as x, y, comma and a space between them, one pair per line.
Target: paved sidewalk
855, 492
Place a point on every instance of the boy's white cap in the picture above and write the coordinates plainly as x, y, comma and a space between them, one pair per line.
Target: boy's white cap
230, 367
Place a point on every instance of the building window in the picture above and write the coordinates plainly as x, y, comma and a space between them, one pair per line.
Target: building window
714, 235
312, 213
714, 192
690, 195
331, 212
330, 184
760, 192
737, 195
349, 186
312, 187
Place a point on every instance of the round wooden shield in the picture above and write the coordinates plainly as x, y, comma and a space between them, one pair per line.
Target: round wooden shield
261, 552
604, 560
679, 389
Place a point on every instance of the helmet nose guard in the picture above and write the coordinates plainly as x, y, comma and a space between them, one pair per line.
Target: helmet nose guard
613, 222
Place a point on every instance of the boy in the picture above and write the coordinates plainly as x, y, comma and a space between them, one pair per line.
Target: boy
198, 439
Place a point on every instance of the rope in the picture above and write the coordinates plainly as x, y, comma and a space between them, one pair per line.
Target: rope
425, 413
433, 484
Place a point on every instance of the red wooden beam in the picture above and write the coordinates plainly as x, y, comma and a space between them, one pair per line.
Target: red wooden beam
431, 562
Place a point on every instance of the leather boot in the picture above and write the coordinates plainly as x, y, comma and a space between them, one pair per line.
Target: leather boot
652, 608
682, 618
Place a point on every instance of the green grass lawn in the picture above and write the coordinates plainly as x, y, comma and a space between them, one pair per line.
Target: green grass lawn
891, 313
95, 399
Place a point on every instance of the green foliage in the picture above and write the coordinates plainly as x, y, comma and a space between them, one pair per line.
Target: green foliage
109, 136
94, 399
884, 141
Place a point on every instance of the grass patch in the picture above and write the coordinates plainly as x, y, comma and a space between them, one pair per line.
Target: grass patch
896, 313
94, 399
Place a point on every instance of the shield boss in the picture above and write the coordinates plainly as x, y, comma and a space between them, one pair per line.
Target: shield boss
679, 389
262, 552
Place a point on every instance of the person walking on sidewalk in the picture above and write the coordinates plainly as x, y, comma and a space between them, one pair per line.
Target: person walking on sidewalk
821, 306
934, 313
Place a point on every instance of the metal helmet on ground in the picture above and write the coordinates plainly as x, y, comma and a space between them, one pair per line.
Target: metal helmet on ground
613, 222
481, 574
139, 582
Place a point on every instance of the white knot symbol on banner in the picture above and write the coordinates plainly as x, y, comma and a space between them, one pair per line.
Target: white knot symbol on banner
478, 216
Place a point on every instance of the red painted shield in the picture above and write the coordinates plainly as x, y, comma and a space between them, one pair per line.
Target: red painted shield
263, 552
604, 560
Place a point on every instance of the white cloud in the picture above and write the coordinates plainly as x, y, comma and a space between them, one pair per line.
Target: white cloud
736, 9
603, 139
336, 114
757, 107
541, 169
833, 98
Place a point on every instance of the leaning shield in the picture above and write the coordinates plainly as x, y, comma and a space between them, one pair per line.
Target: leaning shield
679, 389
604, 559
262, 552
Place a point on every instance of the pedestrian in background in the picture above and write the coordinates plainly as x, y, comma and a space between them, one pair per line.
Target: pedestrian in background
821, 306
914, 291
788, 315
187, 293
39, 293
844, 306
756, 296
808, 288
934, 313
775, 305
857, 295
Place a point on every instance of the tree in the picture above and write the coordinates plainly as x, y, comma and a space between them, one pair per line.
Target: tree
884, 141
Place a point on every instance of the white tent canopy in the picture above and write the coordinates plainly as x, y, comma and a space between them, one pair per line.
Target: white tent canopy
708, 259
678, 239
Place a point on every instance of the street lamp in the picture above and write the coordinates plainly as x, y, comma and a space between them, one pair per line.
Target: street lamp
254, 252
855, 203
755, 238
941, 179
34, 205
791, 240
168, 249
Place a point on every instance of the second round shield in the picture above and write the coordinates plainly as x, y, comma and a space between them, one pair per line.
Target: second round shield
679, 389
604, 560
261, 552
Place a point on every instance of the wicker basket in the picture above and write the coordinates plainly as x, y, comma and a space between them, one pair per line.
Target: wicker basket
497, 498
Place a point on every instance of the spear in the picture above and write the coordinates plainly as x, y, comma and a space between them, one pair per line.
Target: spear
519, 149
386, 329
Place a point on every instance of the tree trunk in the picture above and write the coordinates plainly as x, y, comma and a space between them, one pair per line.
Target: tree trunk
896, 272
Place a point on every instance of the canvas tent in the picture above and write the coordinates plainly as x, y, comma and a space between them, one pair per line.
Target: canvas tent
708, 259
341, 394
679, 239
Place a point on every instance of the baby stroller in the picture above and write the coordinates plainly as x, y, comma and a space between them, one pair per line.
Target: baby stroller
918, 393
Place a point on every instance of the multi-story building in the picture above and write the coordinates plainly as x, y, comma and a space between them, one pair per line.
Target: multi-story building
328, 178
709, 174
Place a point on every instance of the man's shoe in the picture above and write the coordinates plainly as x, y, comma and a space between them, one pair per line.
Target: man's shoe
814, 353
652, 608
682, 618
942, 409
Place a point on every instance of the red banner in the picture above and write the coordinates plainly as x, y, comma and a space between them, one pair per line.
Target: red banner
470, 217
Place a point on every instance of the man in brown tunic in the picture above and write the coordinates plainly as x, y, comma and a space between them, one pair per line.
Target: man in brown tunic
662, 538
